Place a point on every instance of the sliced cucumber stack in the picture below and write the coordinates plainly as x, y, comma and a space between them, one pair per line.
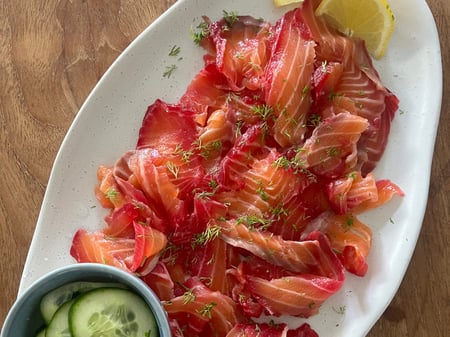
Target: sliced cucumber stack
111, 312
106, 310
59, 325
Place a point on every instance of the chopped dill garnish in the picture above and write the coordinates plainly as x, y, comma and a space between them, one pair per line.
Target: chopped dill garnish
206, 311
169, 70
205, 194
333, 95
200, 32
211, 233
314, 120
238, 125
265, 113
349, 221
305, 91
185, 154
254, 222
279, 211
208, 149
282, 162
261, 191
188, 296
332, 152
340, 310
173, 168
175, 51
230, 17
213, 183
111, 194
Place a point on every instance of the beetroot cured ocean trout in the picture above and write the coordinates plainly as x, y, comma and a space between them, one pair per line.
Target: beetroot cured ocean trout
241, 199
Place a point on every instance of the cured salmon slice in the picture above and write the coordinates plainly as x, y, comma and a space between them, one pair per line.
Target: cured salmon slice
361, 90
210, 263
217, 136
247, 148
242, 50
149, 243
96, 247
120, 222
325, 79
373, 143
137, 254
166, 127
207, 92
349, 238
107, 191
308, 256
280, 291
265, 188
290, 219
201, 305
282, 296
156, 182
386, 190
160, 281
167, 179
288, 78
331, 150
346, 193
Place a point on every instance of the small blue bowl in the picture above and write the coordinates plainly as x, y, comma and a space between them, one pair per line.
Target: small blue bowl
24, 318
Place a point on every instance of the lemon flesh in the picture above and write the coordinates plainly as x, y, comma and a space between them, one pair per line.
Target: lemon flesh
280, 3
370, 20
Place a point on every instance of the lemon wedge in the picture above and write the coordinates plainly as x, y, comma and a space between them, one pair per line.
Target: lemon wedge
370, 20
280, 3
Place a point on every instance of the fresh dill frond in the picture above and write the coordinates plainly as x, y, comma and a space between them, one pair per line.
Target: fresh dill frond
230, 17
200, 32
175, 51
169, 70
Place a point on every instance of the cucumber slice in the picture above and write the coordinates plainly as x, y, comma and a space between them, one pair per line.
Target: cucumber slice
57, 297
59, 325
111, 312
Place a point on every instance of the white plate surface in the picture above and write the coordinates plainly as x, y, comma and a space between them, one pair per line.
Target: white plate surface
108, 123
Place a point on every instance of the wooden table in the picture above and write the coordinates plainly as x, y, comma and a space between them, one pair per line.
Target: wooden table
53, 52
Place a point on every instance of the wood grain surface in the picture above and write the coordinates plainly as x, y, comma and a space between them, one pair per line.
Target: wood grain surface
53, 52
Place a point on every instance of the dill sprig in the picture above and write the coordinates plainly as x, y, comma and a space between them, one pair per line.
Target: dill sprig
175, 51
173, 168
206, 311
200, 32
265, 113
282, 162
169, 70
254, 222
188, 296
208, 149
340, 310
185, 154
210, 233
230, 17
261, 191
111, 194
